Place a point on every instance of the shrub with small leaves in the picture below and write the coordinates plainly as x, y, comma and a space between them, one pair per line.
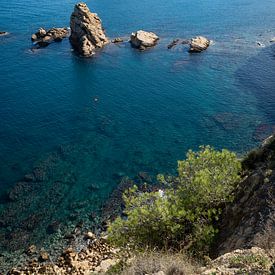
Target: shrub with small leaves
181, 215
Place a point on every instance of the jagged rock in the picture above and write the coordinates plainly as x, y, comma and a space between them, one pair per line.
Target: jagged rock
44, 37
199, 44
117, 40
87, 33
173, 43
143, 40
250, 219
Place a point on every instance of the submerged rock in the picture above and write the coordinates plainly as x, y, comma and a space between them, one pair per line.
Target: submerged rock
45, 37
199, 44
143, 40
173, 44
87, 33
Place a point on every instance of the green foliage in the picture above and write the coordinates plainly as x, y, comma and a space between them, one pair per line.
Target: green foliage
183, 215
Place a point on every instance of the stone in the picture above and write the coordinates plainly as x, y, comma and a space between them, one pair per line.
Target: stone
44, 256
117, 40
31, 250
173, 44
272, 40
87, 33
45, 37
199, 44
90, 235
142, 39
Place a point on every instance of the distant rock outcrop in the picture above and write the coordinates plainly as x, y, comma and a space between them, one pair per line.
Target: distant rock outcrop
44, 37
87, 33
143, 40
199, 44
250, 220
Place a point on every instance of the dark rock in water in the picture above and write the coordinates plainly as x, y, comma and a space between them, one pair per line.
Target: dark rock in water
117, 40
87, 33
142, 39
53, 227
199, 44
39, 174
250, 220
262, 131
29, 177
173, 43
144, 176
19, 190
45, 37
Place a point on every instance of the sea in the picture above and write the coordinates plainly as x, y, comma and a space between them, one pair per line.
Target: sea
80, 125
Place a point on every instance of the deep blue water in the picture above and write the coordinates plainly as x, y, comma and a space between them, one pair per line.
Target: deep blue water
150, 107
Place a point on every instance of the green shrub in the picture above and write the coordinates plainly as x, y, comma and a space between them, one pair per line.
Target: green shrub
182, 215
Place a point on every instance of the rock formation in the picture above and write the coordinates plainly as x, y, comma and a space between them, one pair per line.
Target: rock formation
199, 44
87, 33
241, 261
44, 37
143, 40
117, 40
250, 220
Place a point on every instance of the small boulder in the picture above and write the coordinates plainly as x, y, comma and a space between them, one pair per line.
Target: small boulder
143, 40
199, 44
117, 40
272, 40
44, 256
31, 250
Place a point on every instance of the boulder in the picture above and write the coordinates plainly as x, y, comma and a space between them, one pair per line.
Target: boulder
143, 40
87, 33
45, 37
272, 40
199, 44
117, 40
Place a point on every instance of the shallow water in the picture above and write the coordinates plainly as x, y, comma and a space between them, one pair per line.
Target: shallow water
89, 121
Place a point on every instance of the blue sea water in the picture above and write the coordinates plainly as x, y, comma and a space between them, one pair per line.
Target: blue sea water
125, 111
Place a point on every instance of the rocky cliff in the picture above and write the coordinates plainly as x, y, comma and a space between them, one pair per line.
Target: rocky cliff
250, 220
87, 33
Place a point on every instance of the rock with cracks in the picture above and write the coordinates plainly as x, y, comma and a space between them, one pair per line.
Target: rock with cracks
87, 33
143, 40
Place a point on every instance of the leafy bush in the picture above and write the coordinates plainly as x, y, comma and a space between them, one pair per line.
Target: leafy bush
181, 215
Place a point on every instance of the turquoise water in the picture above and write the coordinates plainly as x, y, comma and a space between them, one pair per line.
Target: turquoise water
87, 122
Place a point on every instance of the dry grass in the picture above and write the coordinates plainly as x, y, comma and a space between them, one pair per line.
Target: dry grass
154, 262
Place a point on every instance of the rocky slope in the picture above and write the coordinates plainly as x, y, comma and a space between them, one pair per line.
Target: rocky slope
250, 220
87, 33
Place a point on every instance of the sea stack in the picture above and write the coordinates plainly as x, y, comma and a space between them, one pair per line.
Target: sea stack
199, 44
87, 33
143, 40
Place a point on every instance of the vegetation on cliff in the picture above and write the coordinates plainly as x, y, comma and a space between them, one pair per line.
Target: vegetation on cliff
181, 215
